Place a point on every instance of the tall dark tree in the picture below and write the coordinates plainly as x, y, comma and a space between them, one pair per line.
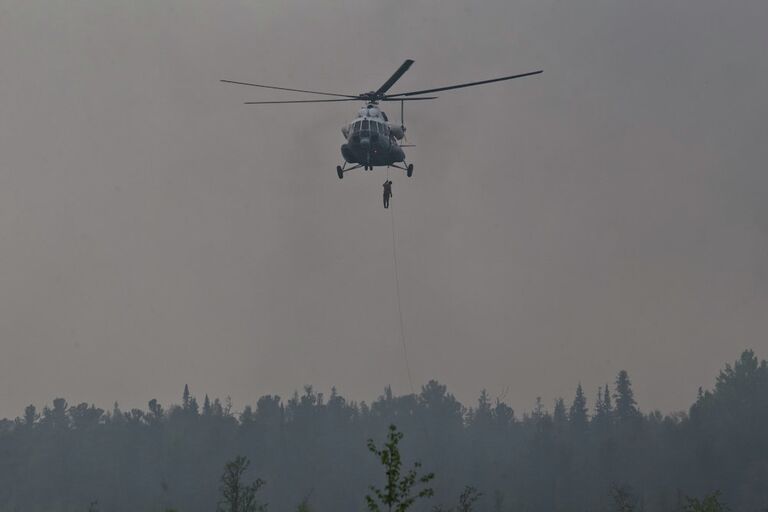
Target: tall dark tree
626, 407
206, 406
599, 405
607, 401
559, 416
193, 409
217, 409
603, 407
578, 414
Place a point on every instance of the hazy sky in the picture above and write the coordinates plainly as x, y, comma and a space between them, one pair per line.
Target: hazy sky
609, 214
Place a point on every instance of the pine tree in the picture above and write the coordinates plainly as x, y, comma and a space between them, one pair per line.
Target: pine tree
185, 398
206, 406
603, 408
194, 409
578, 415
559, 416
599, 405
607, 402
626, 407
217, 409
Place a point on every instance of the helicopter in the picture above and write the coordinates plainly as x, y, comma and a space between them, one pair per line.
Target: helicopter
371, 139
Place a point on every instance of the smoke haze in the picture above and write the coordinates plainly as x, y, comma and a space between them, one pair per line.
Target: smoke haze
608, 214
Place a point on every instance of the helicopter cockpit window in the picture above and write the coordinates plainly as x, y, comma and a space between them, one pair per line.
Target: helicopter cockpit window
356, 127
365, 124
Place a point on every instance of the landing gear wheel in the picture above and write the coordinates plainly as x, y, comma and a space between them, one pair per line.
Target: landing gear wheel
339, 172
409, 171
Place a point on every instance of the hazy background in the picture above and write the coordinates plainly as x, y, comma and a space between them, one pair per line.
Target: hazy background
154, 231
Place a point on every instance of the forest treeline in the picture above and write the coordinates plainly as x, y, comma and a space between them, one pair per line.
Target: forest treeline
311, 449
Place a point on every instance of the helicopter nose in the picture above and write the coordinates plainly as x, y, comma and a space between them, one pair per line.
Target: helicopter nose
365, 143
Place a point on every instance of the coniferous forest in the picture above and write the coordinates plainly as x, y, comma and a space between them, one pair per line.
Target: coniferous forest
596, 450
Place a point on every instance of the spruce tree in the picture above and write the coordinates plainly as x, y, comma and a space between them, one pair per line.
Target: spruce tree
194, 409
217, 409
626, 407
559, 416
603, 407
599, 405
577, 416
607, 406
206, 406
185, 398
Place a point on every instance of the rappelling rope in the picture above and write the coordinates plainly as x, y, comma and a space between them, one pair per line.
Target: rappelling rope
418, 417
397, 293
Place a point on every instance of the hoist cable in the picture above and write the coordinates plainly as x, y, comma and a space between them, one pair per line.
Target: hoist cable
399, 301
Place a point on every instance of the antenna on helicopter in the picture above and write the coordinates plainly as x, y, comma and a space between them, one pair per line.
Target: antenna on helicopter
402, 120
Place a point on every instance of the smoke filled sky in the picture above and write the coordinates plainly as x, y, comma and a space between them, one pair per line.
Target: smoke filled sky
154, 231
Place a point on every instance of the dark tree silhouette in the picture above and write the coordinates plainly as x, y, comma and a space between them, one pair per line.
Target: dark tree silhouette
578, 413
56, 457
626, 407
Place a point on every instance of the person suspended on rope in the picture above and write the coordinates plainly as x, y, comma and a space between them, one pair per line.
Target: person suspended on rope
387, 192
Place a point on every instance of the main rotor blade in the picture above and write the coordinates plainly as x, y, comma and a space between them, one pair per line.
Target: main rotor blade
287, 89
298, 101
394, 78
459, 86
387, 98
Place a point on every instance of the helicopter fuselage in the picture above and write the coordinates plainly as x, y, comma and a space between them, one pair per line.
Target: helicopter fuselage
372, 140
